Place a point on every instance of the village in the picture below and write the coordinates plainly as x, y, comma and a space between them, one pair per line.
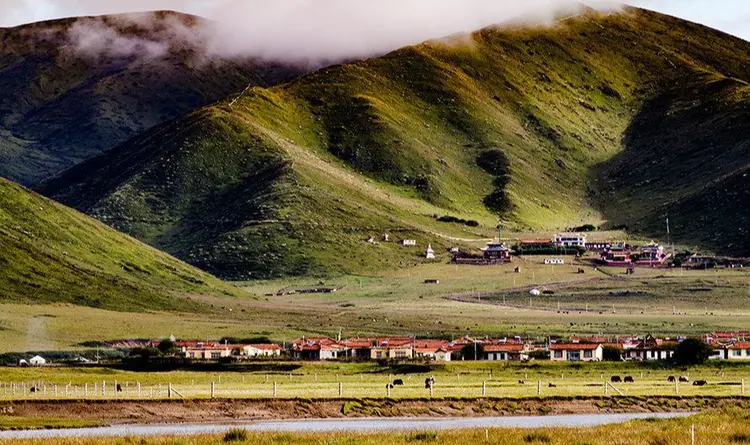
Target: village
600, 253
730, 346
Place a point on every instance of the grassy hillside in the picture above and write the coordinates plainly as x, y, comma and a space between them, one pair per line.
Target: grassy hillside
52, 254
546, 128
63, 102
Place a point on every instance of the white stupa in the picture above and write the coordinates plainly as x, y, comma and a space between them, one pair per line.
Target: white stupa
429, 253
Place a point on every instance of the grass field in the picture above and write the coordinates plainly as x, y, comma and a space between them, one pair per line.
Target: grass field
716, 428
400, 303
319, 380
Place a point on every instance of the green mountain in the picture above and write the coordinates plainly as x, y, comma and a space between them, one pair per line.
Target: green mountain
52, 254
74, 88
607, 119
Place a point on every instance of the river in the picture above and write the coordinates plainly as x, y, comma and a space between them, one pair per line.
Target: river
341, 425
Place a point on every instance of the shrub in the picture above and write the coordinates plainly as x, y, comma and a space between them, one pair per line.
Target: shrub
422, 437
692, 351
740, 438
473, 351
612, 353
236, 435
537, 437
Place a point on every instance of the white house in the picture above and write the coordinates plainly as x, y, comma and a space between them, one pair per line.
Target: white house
408, 242
554, 261
506, 352
37, 361
576, 352
738, 351
570, 239
261, 350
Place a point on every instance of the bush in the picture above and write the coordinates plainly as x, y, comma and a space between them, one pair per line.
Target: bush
473, 351
692, 351
537, 437
236, 435
612, 354
740, 438
422, 437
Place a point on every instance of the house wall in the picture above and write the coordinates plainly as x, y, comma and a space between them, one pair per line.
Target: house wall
584, 355
738, 354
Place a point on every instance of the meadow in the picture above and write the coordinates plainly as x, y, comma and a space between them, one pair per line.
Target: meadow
494, 302
291, 380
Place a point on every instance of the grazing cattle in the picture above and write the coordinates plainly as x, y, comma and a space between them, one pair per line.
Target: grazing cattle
521, 382
616, 379
552, 385
398, 382
34, 389
671, 379
629, 379
700, 383
119, 388
684, 379
429, 382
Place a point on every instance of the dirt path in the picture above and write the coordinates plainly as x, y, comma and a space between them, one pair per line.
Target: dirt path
184, 411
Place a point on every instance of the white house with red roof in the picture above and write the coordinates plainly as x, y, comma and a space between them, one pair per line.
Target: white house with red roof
506, 352
261, 350
738, 351
576, 352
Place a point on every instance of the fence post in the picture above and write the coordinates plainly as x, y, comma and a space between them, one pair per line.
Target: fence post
743, 387
341, 389
539, 388
104, 388
677, 387
55, 391
139, 389
388, 390
169, 390
432, 391
484, 389
692, 434
606, 389
274, 390
86, 390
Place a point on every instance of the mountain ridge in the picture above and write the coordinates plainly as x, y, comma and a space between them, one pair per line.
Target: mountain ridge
542, 128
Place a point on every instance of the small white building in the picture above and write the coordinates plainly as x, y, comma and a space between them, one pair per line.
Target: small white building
554, 261
408, 242
429, 253
37, 361
261, 350
738, 351
576, 352
570, 239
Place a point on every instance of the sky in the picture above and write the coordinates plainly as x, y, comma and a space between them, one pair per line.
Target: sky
732, 16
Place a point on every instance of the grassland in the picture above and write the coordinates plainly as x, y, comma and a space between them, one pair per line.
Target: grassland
52, 254
455, 380
400, 303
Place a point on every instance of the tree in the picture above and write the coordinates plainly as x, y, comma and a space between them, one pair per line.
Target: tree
693, 351
167, 347
473, 351
612, 353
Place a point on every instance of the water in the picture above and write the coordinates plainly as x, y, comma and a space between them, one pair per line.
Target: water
341, 425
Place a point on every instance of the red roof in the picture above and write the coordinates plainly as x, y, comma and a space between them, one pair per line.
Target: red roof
575, 346
537, 241
504, 348
265, 347
740, 345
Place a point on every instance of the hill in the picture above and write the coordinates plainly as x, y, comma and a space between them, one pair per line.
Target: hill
52, 254
545, 128
74, 88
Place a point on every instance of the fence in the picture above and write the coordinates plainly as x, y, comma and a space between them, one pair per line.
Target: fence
314, 386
